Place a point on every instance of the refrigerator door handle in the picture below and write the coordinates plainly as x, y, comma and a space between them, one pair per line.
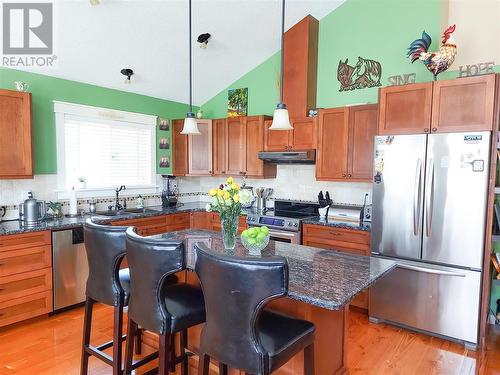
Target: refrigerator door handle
430, 270
429, 200
417, 189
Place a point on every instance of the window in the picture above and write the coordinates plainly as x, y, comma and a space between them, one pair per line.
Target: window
107, 148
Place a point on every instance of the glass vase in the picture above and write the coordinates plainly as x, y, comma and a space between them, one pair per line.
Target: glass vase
229, 220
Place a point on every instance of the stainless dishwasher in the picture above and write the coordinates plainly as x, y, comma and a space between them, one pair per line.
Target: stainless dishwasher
70, 267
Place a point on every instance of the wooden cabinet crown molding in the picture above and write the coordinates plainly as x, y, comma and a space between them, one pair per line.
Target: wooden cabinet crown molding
16, 150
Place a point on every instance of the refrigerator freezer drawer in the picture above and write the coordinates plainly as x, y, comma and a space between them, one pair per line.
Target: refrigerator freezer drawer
440, 300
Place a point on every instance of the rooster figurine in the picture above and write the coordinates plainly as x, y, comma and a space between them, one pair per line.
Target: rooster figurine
436, 62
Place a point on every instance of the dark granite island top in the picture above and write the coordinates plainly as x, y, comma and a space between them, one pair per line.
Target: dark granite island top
325, 278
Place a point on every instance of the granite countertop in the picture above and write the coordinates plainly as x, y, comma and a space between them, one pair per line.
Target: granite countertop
326, 278
15, 226
338, 224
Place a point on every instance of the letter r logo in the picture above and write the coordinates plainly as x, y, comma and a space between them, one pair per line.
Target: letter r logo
27, 28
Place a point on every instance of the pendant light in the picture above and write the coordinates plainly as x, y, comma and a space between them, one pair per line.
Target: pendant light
190, 125
281, 120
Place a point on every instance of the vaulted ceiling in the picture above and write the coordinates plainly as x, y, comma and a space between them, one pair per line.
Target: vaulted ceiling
94, 42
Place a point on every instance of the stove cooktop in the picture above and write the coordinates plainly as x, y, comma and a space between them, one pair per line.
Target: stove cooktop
285, 215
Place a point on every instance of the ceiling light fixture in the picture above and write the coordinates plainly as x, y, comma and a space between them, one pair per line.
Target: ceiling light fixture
203, 40
190, 125
95, 2
281, 119
128, 73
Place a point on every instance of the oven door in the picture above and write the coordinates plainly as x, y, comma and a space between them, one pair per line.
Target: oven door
284, 236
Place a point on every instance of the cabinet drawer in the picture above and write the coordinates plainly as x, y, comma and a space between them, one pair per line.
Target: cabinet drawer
143, 222
23, 308
177, 219
337, 234
25, 284
30, 259
176, 227
20, 241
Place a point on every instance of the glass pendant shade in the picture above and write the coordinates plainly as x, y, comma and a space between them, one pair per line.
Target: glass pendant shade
281, 120
190, 125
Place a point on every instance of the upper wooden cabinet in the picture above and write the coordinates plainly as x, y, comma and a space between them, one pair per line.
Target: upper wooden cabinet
405, 109
179, 149
345, 143
245, 139
16, 160
465, 104
219, 148
302, 137
457, 105
236, 145
200, 150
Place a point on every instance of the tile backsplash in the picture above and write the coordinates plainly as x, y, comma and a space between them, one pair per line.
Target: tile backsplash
295, 182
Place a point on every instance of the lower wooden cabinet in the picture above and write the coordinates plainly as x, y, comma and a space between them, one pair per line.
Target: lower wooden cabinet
345, 240
149, 226
25, 276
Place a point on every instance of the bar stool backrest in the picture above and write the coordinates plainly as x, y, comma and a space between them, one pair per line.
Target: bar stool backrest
105, 247
151, 261
235, 291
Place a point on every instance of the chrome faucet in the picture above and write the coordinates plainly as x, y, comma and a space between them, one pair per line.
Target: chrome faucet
118, 206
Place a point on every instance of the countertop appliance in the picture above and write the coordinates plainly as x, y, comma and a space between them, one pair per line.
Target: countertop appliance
169, 191
70, 268
429, 214
288, 157
345, 213
285, 220
32, 211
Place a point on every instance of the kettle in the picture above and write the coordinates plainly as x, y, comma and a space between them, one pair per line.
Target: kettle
32, 211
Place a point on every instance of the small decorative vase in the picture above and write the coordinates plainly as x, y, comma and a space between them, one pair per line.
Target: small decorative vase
199, 114
229, 228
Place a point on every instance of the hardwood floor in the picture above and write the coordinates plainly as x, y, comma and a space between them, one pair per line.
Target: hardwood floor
52, 346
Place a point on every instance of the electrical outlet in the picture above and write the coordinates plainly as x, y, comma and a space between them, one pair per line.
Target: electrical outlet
368, 195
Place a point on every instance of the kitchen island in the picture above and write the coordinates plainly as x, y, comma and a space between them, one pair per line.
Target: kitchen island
321, 285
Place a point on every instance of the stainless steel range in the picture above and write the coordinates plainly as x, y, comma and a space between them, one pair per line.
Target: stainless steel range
285, 220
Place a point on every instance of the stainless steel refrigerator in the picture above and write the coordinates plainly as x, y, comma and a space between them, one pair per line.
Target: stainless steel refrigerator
429, 214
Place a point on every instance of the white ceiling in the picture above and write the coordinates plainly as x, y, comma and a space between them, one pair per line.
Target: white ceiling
94, 42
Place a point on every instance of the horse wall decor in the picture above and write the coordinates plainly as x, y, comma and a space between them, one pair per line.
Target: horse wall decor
366, 73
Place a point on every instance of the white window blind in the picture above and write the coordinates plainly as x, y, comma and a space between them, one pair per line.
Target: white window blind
106, 152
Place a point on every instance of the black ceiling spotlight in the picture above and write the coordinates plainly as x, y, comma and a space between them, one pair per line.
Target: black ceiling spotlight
203, 39
128, 73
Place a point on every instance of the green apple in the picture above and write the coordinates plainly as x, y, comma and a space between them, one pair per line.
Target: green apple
264, 230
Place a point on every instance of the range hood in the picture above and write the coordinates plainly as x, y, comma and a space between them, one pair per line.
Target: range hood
288, 157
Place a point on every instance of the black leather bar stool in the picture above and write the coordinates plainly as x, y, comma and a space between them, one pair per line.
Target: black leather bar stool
107, 284
238, 332
156, 306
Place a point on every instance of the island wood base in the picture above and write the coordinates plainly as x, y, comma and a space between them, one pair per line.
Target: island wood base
330, 344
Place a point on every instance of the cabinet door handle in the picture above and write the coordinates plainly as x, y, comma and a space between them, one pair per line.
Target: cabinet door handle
434, 129
426, 130
344, 175
349, 175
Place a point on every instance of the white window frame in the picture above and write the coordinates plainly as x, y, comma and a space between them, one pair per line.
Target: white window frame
63, 109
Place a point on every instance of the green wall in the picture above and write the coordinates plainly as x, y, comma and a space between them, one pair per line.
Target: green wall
45, 89
377, 29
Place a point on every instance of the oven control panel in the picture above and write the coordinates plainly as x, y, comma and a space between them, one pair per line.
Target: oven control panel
273, 222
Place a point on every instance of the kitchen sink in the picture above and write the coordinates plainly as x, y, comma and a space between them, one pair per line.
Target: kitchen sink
108, 213
138, 210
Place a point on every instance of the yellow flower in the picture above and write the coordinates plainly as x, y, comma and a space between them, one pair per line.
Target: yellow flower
229, 180
220, 193
227, 195
236, 198
235, 186
212, 192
